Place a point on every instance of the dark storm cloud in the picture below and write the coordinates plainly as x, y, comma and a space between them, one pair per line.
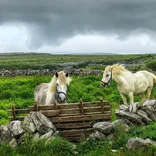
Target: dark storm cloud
52, 21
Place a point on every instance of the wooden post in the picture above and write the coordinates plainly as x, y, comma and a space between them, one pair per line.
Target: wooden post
35, 107
81, 106
13, 112
102, 105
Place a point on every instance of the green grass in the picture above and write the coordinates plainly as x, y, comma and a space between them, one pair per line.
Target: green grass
20, 92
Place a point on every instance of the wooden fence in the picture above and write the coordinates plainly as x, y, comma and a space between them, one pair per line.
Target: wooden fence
73, 120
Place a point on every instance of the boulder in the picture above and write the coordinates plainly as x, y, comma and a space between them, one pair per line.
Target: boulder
150, 113
47, 135
124, 108
120, 123
28, 124
138, 143
15, 128
97, 135
144, 116
150, 103
13, 143
5, 135
104, 127
42, 123
132, 117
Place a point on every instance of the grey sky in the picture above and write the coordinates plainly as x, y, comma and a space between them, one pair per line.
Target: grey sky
78, 26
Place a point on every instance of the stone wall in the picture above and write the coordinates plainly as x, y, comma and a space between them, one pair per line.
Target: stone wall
28, 72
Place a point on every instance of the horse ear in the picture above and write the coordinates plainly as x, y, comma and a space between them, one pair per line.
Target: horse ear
56, 74
67, 74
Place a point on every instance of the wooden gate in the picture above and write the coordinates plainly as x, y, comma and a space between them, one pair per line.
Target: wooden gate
74, 120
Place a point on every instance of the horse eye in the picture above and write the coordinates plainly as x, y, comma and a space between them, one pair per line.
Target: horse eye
107, 75
56, 84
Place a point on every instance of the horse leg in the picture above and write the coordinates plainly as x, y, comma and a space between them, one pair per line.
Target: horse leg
149, 90
143, 97
131, 97
124, 99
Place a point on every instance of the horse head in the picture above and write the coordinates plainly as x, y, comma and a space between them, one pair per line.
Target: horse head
62, 82
107, 77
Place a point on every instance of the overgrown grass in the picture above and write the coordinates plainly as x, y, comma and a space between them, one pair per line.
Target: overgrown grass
61, 147
42, 61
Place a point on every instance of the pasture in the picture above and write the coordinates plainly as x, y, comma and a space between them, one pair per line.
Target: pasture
20, 91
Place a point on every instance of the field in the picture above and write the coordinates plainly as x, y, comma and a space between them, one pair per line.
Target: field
19, 91
42, 61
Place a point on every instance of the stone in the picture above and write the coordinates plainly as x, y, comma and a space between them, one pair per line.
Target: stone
56, 133
150, 103
97, 135
13, 143
149, 112
104, 127
124, 108
120, 124
47, 135
28, 124
110, 137
138, 143
36, 136
42, 123
15, 128
144, 116
134, 118
5, 135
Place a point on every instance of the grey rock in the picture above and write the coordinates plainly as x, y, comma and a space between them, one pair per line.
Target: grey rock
5, 135
47, 135
124, 108
28, 124
134, 118
42, 123
150, 112
150, 103
13, 143
104, 127
56, 133
144, 116
36, 136
110, 137
138, 143
15, 128
97, 135
120, 124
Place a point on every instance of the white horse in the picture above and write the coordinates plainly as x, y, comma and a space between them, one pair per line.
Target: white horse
53, 92
129, 84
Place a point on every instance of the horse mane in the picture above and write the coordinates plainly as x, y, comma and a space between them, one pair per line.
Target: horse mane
62, 79
116, 68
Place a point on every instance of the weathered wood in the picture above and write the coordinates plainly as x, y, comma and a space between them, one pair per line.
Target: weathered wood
76, 132
81, 107
102, 105
13, 112
90, 117
21, 118
70, 111
19, 111
75, 125
35, 107
49, 113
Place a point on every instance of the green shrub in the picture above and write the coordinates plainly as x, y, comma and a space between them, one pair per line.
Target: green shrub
151, 65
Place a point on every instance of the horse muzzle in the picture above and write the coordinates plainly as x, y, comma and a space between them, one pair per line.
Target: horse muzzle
103, 84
